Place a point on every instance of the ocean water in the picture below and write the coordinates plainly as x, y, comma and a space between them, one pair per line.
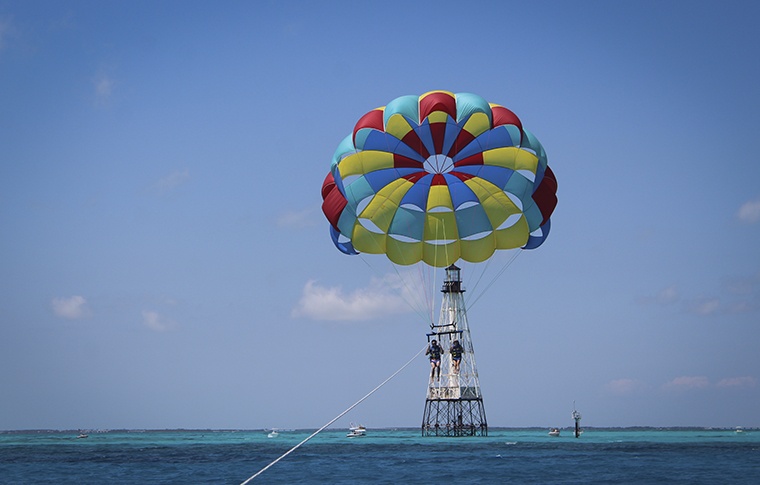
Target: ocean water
387, 456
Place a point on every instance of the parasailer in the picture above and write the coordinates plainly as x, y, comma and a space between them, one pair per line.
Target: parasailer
456, 355
438, 178
434, 351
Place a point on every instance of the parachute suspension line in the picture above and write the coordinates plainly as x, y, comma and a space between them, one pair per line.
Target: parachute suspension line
438, 224
480, 276
484, 270
446, 246
427, 277
496, 277
421, 308
432, 292
404, 293
504, 268
336, 417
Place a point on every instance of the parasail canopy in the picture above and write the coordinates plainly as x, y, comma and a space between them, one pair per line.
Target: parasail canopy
438, 178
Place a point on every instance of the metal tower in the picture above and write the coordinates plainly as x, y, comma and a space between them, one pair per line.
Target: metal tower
577, 418
454, 405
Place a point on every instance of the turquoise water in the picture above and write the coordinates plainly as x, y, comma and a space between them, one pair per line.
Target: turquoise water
693, 456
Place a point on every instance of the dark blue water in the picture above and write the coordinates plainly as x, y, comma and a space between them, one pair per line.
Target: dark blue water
383, 456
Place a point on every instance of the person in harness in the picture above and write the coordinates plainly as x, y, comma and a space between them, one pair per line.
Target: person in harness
434, 351
456, 352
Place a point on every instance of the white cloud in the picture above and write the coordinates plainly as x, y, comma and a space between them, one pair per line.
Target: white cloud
687, 382
744, 285
704, 306
749, 212
380, 298
72, 308
103, 87
623, 387
735, 295
741, 295
156, 322
668, 295
172, 181
296, 219
737, 382
6, 32
740, 307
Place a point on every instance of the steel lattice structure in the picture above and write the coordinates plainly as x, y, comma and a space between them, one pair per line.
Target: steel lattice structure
454, 404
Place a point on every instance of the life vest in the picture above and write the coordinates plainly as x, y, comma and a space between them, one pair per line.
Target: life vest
435, 352
456, 351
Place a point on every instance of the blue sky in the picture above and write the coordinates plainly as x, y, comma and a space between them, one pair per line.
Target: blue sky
165, 263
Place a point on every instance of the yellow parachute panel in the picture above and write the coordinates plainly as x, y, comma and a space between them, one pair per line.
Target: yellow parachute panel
511, 157
398, 126
514, 236
365, 162
439, 196
368, 242
404, 253
441, 255
478, 124
385, 203
478, 250
438, 117
497, 205
440, 226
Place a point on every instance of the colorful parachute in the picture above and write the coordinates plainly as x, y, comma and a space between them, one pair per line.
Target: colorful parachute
436, 178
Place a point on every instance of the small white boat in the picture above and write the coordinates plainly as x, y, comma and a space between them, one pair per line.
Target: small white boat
356, 430
273, 434
554, 432
739, 429
83, 435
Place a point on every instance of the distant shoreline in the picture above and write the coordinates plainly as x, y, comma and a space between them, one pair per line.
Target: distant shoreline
340, 428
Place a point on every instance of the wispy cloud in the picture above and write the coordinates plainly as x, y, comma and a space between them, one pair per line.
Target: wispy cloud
171, 181
624, 387
704, 306
684, 383
744, 285
666, 296
379, 299
743, 293
103, 86
739, 307
297, 219
71, 308
7, 31
749, 212
734, 296
738, 382
157, 322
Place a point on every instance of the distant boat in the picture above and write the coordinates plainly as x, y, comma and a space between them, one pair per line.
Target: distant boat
273, 434
82, 435
356, 430
739, 429
554, 432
